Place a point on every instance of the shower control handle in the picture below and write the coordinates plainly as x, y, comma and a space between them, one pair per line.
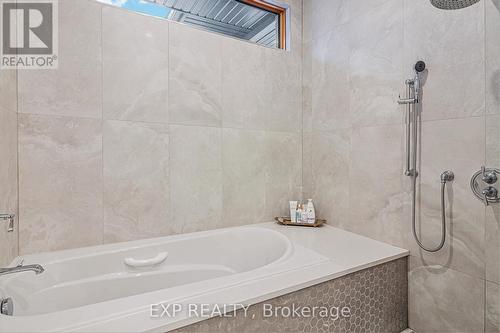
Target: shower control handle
490, 193
482, 185
489, 176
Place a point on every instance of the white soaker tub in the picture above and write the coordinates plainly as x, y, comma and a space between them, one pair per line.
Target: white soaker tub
112, 287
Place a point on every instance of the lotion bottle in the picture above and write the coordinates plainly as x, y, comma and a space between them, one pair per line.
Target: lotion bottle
310, 212
293, 211
300, 213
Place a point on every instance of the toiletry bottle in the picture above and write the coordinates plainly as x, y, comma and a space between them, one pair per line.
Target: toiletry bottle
311, 213
293, 211
304, 214
299, 214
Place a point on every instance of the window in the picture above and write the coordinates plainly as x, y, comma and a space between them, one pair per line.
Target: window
256, 21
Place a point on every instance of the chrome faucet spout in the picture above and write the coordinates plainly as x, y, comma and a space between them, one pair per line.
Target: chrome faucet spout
38, 269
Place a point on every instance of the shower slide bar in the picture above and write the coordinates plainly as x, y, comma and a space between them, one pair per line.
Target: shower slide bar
412, 100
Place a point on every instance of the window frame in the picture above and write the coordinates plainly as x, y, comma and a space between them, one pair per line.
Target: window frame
280, 11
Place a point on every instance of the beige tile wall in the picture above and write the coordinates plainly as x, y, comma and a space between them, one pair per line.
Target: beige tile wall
152, 128
8, 164
492, 228
358, 54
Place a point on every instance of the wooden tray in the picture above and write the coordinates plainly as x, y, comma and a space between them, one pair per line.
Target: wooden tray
288, 221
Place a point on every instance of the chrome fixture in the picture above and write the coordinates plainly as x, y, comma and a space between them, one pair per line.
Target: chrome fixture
446, 177
482, 183
453, 4
10, 218
412, 100
7, 306
38, 269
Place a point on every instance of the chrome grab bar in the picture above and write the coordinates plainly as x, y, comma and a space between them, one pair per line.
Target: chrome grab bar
408, 147
411, 128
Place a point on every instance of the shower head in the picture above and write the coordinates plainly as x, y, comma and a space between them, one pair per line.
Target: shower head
420, 66
453, 4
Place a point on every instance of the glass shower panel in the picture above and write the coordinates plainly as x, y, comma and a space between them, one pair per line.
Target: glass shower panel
492, 126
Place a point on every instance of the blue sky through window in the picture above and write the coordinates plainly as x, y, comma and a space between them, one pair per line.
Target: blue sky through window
140, 6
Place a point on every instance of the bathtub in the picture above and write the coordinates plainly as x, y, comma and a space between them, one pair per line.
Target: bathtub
122, 287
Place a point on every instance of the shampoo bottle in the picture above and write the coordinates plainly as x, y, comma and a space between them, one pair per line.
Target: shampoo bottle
311, 213
300, 213
303, 218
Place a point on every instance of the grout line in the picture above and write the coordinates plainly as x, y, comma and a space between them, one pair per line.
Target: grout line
102, 129
164, 123
222, 113
302, 185
170, 215
18, 247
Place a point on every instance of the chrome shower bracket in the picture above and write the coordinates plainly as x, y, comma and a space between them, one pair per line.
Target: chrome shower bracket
10, 218
482, 183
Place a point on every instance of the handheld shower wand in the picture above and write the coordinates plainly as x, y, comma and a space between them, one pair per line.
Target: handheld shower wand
412, 101
419, 68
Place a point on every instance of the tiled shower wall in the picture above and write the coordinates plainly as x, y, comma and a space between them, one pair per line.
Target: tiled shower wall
8, 163
359, 54
151, 128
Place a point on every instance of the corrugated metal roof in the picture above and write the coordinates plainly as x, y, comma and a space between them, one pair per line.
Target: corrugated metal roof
229, 17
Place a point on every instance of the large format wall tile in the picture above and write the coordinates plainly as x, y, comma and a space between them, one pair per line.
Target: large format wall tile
261, 172
269, 98
214, 80
8, 183
296, 28
244, 178
452, 45
8, 89
307, 82
136, 180
492, 234
284, 112
385, 38
359, 7
376, 65
492, 231
443, 37
443, 147
321, 16
492, 244
330, 163
195, 77
74, 89
283, 172
60, 183
492, 311
378, 190
8, 165
135, 66
492, 56
444, 300
330, 89
195, 178
464, 93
